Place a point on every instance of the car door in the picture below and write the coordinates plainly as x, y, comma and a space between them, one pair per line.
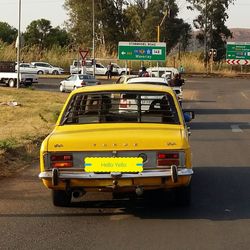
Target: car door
69, 83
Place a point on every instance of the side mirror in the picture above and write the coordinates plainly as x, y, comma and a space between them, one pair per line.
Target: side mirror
188, 115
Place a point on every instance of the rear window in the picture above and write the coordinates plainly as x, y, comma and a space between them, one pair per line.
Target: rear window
120, 107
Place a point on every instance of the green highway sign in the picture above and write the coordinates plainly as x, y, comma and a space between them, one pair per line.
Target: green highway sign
238, 51
142, 51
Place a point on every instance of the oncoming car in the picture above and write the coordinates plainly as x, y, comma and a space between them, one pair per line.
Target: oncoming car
96, 146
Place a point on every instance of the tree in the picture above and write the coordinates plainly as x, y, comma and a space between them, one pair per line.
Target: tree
121, 20
8, 34
109, 22
211, 23
41, 33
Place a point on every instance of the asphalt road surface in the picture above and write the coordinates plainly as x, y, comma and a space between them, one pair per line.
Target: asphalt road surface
50, 84
218, 218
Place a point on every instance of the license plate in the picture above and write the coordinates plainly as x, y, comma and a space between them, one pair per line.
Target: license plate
113, 164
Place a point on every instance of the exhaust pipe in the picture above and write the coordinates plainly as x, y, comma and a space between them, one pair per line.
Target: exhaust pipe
78, 193
139, 191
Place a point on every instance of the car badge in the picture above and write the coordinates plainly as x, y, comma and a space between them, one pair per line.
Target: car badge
171, 144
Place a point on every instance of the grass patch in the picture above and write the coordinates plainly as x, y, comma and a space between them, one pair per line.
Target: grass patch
23, 127
35, 114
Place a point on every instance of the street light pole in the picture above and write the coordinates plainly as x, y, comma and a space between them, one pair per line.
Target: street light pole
93, 45
18, 43
159, 26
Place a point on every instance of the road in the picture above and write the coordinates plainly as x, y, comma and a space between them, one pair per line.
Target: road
218, 218
50, 84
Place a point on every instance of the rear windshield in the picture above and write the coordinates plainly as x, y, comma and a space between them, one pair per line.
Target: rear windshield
121, 107
82, 77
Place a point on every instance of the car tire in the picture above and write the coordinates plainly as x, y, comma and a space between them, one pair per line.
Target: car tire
183, 195
40, 72
122, 73
61, 198
11, 83
55, 72
61, 88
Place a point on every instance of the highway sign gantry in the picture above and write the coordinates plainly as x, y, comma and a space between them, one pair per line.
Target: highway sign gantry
238, 53
142, 51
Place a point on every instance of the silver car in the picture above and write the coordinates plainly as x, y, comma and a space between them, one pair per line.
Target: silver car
77, 81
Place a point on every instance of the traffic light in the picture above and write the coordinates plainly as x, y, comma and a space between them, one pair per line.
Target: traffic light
213, 53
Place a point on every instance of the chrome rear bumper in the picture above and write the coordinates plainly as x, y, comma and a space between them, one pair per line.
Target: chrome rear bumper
57, 175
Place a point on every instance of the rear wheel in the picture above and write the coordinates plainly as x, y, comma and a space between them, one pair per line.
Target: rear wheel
55, 72
40, 72
11, 83
61, 198
183, 195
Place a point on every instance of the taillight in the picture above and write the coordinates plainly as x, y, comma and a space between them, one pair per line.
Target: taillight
83, 83
123, 103
61, 161
168, 159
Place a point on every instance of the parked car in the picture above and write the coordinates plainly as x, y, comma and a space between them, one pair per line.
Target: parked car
46, 68
117, 70
29, 68
95, 147
77, 81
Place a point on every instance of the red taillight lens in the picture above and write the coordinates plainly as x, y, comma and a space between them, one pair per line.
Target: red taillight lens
123, 103
61, 161
83, 84
168, 159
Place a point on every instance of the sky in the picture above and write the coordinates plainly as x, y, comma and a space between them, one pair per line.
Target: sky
53, 10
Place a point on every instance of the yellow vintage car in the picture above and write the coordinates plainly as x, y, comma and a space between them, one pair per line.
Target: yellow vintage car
119, 138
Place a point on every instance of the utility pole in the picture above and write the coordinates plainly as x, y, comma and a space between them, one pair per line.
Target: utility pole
93, 45
18, 44
205, 36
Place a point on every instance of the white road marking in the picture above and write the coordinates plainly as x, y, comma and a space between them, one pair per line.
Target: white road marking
236, 129
244, 95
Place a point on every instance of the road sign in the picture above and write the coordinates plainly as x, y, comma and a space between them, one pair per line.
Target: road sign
142, 51
238, 62
238, 53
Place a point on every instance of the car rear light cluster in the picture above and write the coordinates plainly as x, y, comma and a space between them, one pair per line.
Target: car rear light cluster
168, 159
83, 83
61, 161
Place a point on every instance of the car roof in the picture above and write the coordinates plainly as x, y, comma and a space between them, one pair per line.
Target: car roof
163, 69
125, 87
147, 80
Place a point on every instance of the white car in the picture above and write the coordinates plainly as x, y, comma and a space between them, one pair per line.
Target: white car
167, 72
46, 68
77, 81
28, 68
77, 67
117, 70
158, 81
